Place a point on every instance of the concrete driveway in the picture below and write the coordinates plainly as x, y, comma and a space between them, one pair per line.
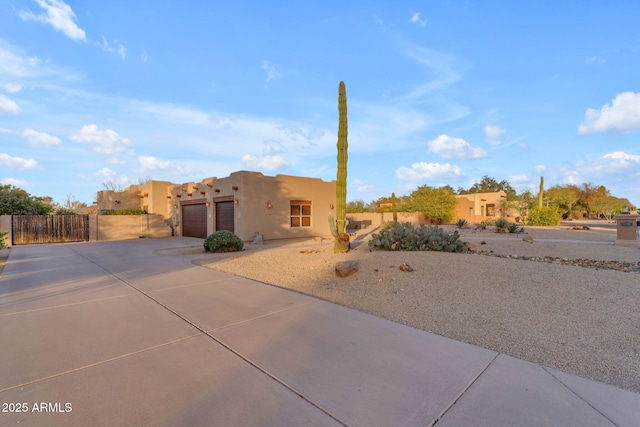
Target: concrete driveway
112, 334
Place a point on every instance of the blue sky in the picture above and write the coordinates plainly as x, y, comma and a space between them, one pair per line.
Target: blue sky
439, 92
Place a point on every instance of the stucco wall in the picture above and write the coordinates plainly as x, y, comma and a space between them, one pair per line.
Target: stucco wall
150, 196
123, 227
253, 193
473, 207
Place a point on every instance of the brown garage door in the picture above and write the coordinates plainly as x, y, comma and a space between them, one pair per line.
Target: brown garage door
224, 216
194, 220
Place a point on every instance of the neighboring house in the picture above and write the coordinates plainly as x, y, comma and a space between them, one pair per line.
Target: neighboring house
150, 197
246, 203
477, 207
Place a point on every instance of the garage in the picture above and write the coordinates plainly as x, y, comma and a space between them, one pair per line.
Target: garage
194, 219
224, 216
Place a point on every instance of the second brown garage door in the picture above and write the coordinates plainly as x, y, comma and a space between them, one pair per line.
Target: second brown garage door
224, 216
194, 220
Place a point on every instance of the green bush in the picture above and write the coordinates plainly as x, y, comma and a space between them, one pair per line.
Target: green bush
544, 216
513, 228
223, 241
406, 237
501, 225
2, 236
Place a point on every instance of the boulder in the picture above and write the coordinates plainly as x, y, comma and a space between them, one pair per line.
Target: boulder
346, 268
406, 267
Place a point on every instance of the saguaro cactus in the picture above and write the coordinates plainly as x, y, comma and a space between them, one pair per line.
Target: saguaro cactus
339, 226
394, 207
541, 192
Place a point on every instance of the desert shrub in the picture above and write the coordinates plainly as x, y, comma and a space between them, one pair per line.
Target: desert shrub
544, 216
487, 223
501, 225
223, 241
575, 215
2, 236
406, 237
461, 222
125, 212
514, 228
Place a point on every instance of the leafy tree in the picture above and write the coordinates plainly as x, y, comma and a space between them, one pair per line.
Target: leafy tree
608, 206
589, 194
522, 203
490, 185
563, 196
436, 204
16, 201
357, 206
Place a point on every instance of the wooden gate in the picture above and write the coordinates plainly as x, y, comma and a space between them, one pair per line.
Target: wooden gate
27, 229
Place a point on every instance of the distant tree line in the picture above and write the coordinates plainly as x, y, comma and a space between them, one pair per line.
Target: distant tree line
438, 203
16, 201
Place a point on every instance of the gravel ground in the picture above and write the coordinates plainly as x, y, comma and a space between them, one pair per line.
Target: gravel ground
580, 320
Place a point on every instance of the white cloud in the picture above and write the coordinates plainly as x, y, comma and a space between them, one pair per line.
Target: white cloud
416, 18
103, 141
17, 162
271, 71
540, 168
113, 177
621, 160
40, 139
422, 171
59, 15
623, 115
363, 187
8, 106
11, 87
18, 183
454, 148
265, 162
117, 48
152, 165
270, 159
516, 179
494, 134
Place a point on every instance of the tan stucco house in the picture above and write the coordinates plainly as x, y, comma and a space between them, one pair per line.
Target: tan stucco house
477, 207
246, 203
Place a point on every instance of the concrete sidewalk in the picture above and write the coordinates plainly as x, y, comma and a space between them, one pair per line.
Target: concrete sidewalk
111, 334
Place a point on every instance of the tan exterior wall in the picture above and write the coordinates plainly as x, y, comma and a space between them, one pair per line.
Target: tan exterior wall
150, 196
261, 203
124, 227
476, 207
5, 226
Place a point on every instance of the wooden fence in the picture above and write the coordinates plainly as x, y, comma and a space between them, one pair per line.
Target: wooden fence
28, 229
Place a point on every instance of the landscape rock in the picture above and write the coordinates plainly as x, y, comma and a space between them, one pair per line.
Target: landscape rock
346, 268
528, 239
406, 267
